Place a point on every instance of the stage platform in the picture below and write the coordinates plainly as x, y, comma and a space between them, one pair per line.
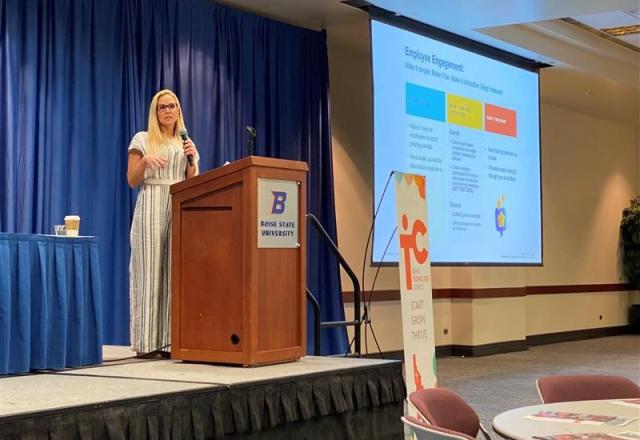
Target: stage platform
316, 397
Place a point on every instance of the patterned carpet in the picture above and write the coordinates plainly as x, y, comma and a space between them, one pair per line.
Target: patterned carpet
494, 384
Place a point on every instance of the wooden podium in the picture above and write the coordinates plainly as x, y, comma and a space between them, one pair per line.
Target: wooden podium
235, 300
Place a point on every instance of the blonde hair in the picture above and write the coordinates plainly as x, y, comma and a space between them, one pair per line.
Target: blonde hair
155, 136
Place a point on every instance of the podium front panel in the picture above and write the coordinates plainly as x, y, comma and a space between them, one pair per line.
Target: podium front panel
211, 313
279, 300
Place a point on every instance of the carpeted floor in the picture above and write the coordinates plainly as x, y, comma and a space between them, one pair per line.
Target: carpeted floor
494, 384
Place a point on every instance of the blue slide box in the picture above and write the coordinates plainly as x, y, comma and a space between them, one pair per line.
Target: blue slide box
425, 102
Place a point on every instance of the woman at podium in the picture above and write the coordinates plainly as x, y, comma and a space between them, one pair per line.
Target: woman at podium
158, 158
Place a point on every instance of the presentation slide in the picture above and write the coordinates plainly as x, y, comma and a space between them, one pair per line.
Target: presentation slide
470, 124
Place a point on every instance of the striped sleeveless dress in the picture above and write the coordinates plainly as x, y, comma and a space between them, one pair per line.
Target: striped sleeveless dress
150, 265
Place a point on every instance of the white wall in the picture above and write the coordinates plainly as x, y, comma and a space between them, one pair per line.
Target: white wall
589, 173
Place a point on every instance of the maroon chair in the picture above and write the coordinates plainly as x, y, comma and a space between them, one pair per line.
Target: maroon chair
424, 431
585, 387
443, 408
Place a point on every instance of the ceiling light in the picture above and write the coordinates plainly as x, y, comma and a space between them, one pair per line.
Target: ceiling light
620, 31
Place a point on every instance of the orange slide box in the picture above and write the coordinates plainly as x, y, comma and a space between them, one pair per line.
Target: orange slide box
499, 120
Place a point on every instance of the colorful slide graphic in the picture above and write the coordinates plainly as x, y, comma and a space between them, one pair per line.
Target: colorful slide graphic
464, 112
501, 216
500, 120
428, 103
424, 102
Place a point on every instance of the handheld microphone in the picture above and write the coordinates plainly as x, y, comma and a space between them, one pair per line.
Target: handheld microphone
252, 136
185, 135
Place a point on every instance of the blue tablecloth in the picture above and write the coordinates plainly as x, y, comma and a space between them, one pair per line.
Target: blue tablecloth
50, 302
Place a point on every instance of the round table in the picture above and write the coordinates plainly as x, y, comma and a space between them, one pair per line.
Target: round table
514, 425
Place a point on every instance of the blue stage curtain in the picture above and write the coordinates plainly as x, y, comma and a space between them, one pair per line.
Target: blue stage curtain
76, 78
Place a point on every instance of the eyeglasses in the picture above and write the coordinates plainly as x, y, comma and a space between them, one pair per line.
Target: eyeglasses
163, 107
